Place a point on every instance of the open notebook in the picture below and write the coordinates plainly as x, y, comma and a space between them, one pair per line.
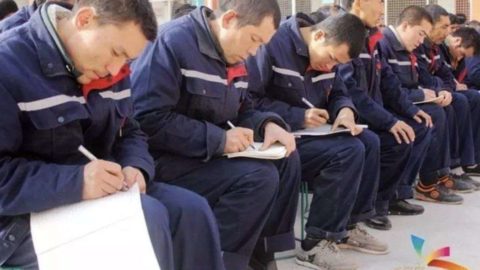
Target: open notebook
276, 151
432, 100
107, 233
323, 130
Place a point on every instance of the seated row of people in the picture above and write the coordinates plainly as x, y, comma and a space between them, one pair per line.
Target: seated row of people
237, 64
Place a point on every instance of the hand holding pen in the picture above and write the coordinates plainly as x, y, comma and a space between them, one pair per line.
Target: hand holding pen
314, 117
238, 139
100, 177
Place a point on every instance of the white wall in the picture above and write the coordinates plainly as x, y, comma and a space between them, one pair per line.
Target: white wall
449, 5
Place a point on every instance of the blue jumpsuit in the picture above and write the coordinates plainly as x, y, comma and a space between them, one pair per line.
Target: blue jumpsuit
380, 103
184, 95
333, 165
435, 75
44, 118
404, 65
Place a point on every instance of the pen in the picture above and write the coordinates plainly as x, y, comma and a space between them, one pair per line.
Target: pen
92, 157
232, 127
310, 105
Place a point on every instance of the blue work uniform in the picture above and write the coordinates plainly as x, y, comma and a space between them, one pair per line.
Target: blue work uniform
184, 94
404, 66
18, 18
332, 165
44, 118
380, 103
435, 75
471, 76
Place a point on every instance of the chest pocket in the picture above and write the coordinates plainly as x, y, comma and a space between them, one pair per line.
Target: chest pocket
204, 100
54, 132
287, 88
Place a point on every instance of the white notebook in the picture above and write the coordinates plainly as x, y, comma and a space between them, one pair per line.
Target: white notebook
107, 233
323, 130
275, 151
432, 100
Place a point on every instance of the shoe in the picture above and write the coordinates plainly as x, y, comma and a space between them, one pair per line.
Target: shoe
325, 255
379, 223
456, 184
360, 240
472, 171
437, 193
404, 208
465, 178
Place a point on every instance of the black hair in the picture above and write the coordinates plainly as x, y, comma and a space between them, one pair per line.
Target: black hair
414, 15
7, 7
470, 38
122, 11
251, 12
183, 10
436, 12
344, 29
326, 11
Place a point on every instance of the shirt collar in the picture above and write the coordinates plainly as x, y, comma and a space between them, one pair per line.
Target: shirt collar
294, 24
392, 35
207, 41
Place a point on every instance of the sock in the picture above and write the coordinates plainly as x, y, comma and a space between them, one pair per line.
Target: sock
457, 171
309, 242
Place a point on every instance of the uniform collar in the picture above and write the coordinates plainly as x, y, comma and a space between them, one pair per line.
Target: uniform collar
393, 37
294, 24
206, 39
48, 51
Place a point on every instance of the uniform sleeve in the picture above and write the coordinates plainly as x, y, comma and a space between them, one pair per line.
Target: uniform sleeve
339, 98
473, 75
28, 185
369, 110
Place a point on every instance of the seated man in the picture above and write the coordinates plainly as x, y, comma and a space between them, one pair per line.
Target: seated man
187, 86
458, 47
472, 64
296, 66
402, 127
48, 110
397, 48
464, 114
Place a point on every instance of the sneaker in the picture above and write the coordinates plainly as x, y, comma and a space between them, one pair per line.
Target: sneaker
437, 193
404, 208
465, 178
456, 184
379, 223
325, 255
360, 240
472, 171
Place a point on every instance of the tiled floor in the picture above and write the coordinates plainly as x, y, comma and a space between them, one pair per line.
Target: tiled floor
456, 226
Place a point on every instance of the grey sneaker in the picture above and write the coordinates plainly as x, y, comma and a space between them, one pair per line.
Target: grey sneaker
325, 256
457, 184
360, 240
465, 178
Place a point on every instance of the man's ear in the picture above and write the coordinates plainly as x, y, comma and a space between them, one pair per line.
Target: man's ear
229, 19
85, 17
319, 36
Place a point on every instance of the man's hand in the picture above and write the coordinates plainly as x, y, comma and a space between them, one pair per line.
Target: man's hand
429, 94
422, 117
133, 175
101, 178
238, 139
461, 86
274, 133
447, 98
403, 132
315, 117
346, 118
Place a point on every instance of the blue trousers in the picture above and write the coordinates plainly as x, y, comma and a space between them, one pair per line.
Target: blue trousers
254, 202
436, 159
18, 250
333, 167
460, 131
473, 97
399, 162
